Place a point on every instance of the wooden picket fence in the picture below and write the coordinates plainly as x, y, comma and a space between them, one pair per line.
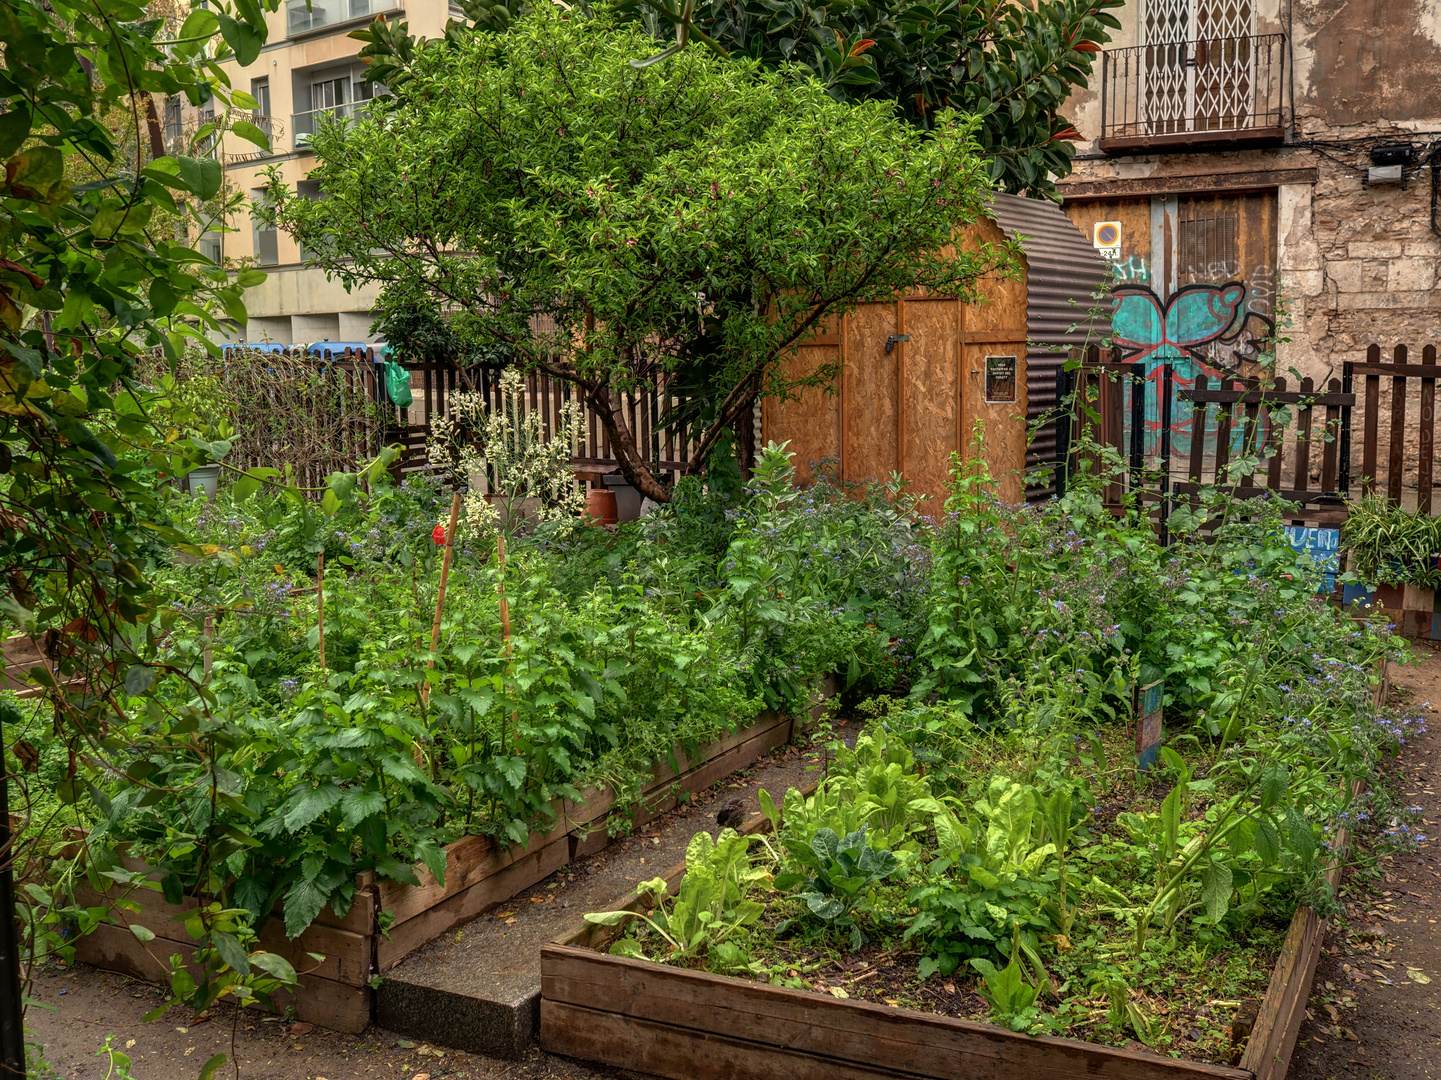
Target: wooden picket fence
1175, 439
667, 442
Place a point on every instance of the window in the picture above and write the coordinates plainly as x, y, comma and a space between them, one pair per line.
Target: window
260, 91
330, 93
267, 240
1206, 247
210, 245
174, 117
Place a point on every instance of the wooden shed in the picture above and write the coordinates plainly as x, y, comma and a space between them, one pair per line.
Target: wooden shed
918, 371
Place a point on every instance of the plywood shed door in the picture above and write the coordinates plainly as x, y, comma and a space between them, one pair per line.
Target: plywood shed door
871, 419
908, 409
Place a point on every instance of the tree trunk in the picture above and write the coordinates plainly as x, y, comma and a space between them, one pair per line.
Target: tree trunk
744, 430
608, 409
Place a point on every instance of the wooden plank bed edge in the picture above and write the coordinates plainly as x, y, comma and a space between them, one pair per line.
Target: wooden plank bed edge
1283, 1008
472, 859
695, 1010
321, 1001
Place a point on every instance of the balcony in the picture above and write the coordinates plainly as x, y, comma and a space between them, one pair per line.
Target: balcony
270, 125
304, 125
300, 19
1186, 95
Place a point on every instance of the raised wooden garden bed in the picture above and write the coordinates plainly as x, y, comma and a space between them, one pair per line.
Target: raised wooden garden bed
692, 1025
480, 873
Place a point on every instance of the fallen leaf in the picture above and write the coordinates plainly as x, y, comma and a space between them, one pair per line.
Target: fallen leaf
189, 1052
129, 1043
950, 988
1347, 1033
539, 899
509, 922
182, 1030
301, 1028
421, 1076
836, 991
405, 1044
504, 914
1417, 976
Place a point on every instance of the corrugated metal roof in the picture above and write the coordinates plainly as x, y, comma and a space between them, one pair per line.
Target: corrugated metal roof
1063, 274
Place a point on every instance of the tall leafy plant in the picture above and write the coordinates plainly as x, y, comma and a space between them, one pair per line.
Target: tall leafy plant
617, 227
1013, 65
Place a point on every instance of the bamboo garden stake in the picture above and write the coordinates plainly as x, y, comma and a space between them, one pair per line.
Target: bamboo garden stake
440, 594
320, 607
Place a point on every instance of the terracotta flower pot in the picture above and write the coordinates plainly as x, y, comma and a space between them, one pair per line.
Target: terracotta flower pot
600, 507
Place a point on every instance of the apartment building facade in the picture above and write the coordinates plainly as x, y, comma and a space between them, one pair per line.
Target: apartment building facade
308, 73
1266, 169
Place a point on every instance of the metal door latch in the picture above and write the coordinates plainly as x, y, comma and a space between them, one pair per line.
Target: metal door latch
891, 340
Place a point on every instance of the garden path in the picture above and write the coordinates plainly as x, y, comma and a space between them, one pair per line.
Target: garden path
1375, 1010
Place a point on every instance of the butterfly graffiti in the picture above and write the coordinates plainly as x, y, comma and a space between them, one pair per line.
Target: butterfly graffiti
1189, 331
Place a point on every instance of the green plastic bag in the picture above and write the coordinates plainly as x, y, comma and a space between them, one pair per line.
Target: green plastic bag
397, 384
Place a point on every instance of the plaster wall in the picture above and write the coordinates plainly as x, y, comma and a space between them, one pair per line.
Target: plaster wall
297, 303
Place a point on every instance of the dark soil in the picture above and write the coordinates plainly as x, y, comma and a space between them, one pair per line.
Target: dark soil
1375, 1010
94, 1004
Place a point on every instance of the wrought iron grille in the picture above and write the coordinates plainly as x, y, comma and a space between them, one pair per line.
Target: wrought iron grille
1208, 90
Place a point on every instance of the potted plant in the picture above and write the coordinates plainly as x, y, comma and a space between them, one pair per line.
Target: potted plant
196, 408
1397, 552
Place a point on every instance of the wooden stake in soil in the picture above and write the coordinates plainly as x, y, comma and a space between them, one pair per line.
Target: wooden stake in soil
440, 593
320, 606
500, 588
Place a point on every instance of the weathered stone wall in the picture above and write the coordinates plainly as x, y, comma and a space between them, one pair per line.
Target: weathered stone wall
1357, 264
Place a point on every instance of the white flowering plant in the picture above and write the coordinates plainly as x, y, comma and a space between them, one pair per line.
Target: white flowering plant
514, 474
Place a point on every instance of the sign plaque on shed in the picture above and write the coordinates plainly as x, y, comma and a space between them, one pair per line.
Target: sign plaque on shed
1000, 379
1149, 732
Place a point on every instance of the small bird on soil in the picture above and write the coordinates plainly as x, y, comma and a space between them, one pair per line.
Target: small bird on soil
731, 815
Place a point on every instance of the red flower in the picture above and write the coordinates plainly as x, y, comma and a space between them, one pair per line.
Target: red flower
438, 534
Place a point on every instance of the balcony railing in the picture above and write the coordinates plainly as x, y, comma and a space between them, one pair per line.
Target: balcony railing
1181, 94
323, 13
304, 125
248, 151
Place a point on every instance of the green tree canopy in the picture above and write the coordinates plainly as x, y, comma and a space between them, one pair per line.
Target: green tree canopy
1010, 63
610, 225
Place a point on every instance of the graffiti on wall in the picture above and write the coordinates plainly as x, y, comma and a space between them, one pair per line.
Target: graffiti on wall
1220, 329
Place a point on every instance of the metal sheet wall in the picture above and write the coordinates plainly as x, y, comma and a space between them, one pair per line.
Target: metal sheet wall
1063, 275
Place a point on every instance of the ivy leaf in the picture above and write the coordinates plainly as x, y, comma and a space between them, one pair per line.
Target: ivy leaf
142, 933
208, 1070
